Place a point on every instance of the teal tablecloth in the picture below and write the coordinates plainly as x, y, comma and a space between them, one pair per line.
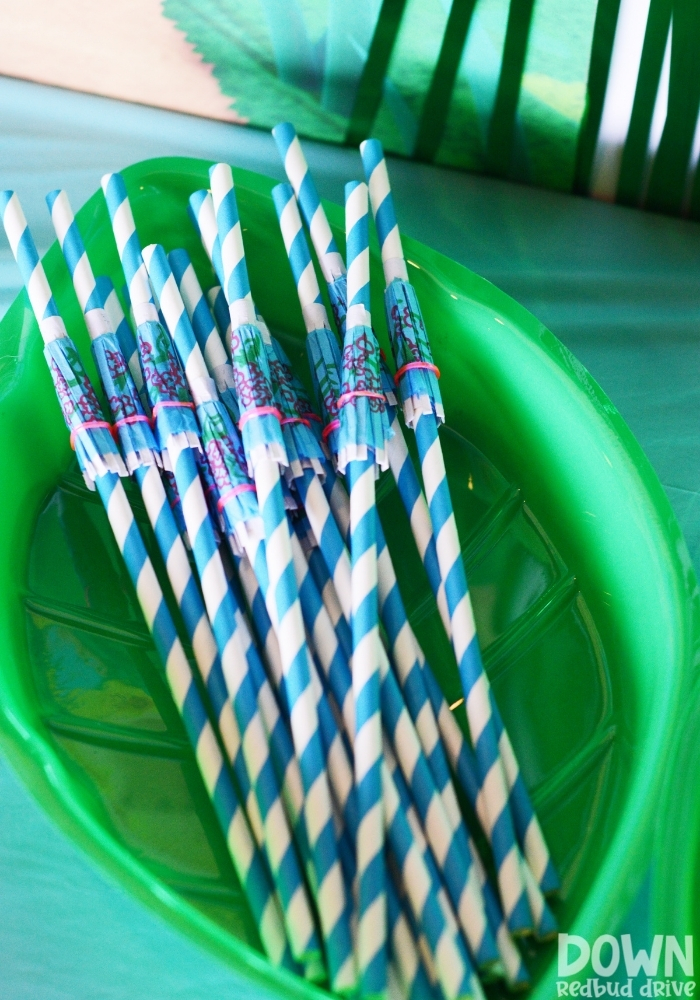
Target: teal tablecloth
620, 288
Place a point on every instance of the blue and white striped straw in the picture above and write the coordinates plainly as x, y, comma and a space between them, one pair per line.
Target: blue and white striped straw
201, 211
264, 449
246, 859
297, 171
219, 310
401, 943
444, 831
383, 210
174, 418
455, 977
528, 829
129, 249
408, 805
323, 524
206, 332
423, 409
405, 648
219, 599
278, 839
361, 469
90, 434
410, 669
138, 444
450, 849
417, 376
300, 261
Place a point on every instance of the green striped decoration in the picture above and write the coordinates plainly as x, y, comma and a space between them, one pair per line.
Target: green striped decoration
569, 98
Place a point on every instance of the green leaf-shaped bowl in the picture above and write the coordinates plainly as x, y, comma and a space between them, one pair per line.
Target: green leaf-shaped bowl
585, 598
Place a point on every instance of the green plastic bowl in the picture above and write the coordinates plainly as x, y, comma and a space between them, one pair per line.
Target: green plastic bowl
584, 594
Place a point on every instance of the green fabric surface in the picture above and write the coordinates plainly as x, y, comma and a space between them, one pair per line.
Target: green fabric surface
620, 287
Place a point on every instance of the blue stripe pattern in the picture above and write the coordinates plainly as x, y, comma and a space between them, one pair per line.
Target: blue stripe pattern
247, 860
135, 435
278, 840
181, 683
292, 642
205, 329
474, 683
526, 823
357, 436
305, 189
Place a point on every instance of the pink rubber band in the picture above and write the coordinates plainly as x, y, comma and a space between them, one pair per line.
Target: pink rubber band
313, 416
347, 396
295, 420
258, 411
329, 428
230, 494
89, 425
171, 402
137, 418
425, 365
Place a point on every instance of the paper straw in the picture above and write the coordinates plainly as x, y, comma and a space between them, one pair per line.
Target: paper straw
454, 862
413, 684
90, 434
417, 829
325, 652
162, 521
264, 449
246, 859
324, 582
339, 767
281, 748
297, 171
219, 308
275, 714
206, 332
138, 445
201, 211
89, 293
418, 703
389, 597
278, 839
450, 850
167, 388
245, 856
302, 268
527, 826
318, 511
420, 392
422, 410
222, 445
400, 940
361, 447
513, 967
327, 649
456, 979
310, 610
404, 951
218, 596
